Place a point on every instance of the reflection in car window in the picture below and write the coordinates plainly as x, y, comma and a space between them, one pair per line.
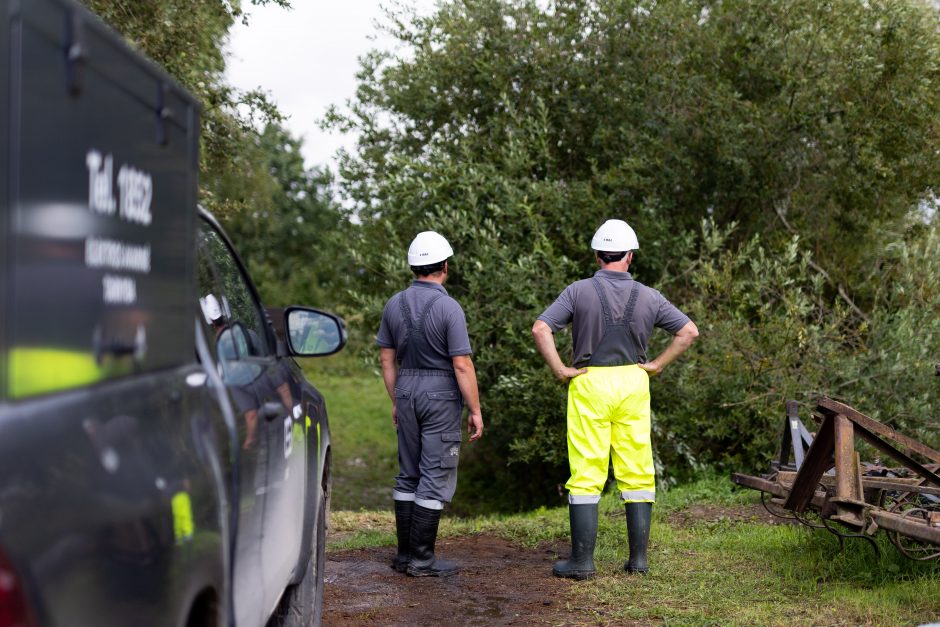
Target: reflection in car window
229, 311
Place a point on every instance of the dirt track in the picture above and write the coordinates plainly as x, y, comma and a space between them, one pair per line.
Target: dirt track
498, 584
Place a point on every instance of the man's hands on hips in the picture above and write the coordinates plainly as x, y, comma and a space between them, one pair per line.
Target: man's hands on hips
475, 426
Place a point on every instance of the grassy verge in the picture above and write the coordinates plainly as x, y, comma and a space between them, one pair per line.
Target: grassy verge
706, 570
365, 451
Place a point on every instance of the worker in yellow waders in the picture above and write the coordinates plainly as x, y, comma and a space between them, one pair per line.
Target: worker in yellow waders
612, 317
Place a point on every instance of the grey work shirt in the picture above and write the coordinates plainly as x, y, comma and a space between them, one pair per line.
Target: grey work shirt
579, 304
445, 327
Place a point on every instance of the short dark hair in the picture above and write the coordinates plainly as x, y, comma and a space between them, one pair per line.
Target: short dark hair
609, 257
429, 269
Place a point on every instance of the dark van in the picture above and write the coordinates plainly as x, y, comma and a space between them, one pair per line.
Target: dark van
163, 460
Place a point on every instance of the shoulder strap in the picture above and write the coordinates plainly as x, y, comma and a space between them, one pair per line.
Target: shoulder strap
405, 311
422, 319
416, 324
605, 306
631, 304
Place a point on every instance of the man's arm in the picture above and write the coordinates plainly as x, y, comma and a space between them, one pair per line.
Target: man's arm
680, 342
389, 375
545, 342
467, 382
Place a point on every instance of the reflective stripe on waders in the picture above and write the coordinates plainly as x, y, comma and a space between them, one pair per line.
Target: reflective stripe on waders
613, 349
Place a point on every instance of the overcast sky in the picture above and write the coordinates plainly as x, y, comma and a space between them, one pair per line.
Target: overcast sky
306, 58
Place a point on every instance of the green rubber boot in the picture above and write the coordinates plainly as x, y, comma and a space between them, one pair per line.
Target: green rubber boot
580, 565
639, 517
403, 510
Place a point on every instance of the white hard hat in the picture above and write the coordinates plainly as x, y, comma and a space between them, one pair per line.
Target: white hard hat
210, 308
428, 248
615, 236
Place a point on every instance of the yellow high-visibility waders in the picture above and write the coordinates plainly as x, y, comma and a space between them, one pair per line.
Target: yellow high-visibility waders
609, 414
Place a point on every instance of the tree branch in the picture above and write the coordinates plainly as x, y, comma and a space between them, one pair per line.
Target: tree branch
815, 266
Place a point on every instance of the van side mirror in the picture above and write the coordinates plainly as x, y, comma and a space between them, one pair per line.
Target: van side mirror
313, 333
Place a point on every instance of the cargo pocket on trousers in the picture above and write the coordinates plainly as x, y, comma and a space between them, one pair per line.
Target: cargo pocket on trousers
451, 454
400, 393
444, 395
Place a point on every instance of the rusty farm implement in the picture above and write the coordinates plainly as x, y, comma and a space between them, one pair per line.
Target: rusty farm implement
820, 480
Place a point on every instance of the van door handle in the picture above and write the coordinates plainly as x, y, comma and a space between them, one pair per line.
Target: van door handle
273, 409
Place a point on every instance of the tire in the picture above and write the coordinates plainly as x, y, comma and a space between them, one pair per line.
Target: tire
302, 603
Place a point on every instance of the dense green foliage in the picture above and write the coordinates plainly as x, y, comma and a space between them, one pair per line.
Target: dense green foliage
770, 334
292, 233
515, 129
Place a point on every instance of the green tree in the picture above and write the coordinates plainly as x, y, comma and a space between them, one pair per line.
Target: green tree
187, 39
515, 129
771, 334
292, 235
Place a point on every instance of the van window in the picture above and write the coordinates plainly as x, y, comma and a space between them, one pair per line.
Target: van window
232, 316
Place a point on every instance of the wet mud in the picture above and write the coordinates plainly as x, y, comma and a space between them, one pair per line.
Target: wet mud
498, 584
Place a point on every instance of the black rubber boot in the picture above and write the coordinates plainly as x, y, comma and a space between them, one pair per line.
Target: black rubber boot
403, 510
423, 563
639, 516
580, 566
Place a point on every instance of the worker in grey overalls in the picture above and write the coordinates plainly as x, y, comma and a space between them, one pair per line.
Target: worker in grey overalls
612, 317
429, 375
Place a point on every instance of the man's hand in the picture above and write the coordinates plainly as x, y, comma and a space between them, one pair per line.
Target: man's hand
651, 368
475, 426
545, 343
565, 373
682, 340
394, 416
467, 382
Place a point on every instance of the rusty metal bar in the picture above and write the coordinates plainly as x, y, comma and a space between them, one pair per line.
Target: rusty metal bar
844, 457
887, 449
878, 428
898, 484
773, 487
849, 500
759, 483
888, 484
818, 461
917, 530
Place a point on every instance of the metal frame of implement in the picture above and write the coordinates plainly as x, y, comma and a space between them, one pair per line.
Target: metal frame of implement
828, 478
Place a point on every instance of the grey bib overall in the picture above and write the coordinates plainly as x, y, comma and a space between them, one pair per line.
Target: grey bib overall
428, 406
617, 345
